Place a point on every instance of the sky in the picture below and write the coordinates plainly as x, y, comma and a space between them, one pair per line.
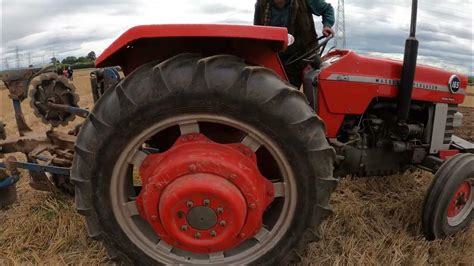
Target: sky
41, 29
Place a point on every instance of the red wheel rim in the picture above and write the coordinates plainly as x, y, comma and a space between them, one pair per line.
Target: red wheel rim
197, 198
224, 133
459, 200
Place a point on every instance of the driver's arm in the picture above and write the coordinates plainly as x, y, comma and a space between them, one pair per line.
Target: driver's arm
321, 8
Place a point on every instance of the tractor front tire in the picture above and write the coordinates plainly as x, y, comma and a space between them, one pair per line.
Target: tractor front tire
190, 85
448, 206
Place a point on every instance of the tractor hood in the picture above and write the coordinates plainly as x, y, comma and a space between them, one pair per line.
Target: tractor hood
348, 66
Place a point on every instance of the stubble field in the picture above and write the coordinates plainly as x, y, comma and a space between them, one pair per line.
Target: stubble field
376, 220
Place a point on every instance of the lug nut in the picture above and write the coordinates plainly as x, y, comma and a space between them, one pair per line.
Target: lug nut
222, 223
184, 228
213, 233
189, 204
154, 218
220, 210
252, 206
242, 235
233, 176
206, 202
197, 235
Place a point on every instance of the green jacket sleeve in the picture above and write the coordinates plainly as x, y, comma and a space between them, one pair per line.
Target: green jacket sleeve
321, 8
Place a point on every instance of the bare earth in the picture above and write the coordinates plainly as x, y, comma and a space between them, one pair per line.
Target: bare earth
376, 220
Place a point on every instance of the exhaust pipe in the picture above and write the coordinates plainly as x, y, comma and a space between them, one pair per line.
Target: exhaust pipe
409, 68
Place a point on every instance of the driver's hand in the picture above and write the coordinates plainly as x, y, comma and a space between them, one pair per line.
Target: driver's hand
327, 31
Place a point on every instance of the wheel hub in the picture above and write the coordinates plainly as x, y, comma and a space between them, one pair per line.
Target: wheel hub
459, 200
202, 196
202, 218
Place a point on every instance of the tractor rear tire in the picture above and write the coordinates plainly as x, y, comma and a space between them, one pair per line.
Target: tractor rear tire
454, 181
222, 85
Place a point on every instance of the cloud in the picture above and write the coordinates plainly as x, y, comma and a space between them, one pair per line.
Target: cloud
42, 28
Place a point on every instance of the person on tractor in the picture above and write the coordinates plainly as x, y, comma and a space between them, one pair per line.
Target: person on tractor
297, 16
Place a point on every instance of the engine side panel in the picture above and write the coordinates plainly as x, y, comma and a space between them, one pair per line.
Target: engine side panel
349, 82
139, 45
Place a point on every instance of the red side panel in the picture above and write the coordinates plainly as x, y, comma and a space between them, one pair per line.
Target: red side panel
142, 44
443, 155
350, 82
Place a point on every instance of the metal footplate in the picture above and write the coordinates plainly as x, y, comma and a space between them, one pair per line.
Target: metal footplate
462, 145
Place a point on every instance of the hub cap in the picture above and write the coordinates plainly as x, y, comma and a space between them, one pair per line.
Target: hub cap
202, 196
461, 204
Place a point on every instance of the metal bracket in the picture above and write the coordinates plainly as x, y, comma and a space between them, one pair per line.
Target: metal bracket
38, 168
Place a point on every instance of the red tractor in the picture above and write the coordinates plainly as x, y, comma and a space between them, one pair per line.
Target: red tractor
205, 154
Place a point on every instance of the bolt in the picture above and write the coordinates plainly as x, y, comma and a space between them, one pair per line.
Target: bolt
222, 223
197, 235
220, 210
213, 233
189, 204
184, 228
154, 218
242, 235
233, 176
192, 168
206, 202
252, 206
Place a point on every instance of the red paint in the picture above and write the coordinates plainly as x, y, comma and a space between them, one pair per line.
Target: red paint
340, 98
447, 153
256, 44
459, 200
260, 46
193, 170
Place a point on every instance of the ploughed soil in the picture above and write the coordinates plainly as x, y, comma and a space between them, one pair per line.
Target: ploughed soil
375, 221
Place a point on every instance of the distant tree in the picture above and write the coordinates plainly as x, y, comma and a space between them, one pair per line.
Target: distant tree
91, 56
83, 59
54, 60
471, 80
70, 60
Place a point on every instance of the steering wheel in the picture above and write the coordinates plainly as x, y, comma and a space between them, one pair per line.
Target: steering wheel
311, 54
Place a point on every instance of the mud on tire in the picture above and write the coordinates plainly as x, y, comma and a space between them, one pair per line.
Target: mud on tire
187, 84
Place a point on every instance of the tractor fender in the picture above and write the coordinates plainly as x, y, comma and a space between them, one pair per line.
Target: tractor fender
258, 45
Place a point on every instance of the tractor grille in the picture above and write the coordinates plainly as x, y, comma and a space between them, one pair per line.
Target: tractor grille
449, 130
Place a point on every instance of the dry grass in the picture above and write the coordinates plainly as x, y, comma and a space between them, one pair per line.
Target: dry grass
376, 221
45, 229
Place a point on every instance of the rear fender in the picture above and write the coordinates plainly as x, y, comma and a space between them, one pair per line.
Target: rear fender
139, 45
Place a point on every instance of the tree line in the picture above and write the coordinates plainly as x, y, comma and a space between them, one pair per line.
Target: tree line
76, 62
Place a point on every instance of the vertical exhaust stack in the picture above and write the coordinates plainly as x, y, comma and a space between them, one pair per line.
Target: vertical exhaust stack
409, 68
